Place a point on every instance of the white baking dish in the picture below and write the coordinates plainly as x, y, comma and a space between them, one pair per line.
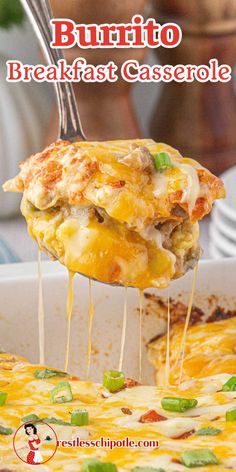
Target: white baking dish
19, 325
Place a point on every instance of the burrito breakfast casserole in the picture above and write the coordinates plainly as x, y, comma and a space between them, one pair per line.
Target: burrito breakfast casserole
121, 211
124, 212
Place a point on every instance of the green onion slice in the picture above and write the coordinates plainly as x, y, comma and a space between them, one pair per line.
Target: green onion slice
28, 418
230, 385
5, 431
178, 404
92, 465
208, 432
3, 398
198, 458
162, 161
231, 414
61, 393
113, 380
80, 417
48, 373
109, 467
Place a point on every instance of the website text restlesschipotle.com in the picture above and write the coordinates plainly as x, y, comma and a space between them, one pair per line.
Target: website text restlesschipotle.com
108, 443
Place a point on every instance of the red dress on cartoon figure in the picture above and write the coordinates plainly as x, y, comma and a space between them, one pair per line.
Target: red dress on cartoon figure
34, 456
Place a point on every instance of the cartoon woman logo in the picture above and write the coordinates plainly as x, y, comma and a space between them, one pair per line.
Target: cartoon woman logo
35, 442
34, 457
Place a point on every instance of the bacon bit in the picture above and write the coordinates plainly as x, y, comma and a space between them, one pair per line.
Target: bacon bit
185, 435
151, 417
202, 208
74, 377
129, 383
176, 461
216, 418
126, 411
6, 367
118, 184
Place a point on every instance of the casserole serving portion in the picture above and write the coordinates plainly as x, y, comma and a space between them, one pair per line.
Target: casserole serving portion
194, 423
121, 211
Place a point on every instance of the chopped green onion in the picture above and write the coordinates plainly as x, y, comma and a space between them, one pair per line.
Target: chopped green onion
61, 393
178, 404
230, 385
56, 421
109, 467
231, 414
208, 432
48, 373
113, 380
28, 418
146, 469
5, 431
3, 398
162, 161
92, 465
80, 417
198, 458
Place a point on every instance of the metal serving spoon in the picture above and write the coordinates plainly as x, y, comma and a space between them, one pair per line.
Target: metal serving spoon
70, 128
40, 14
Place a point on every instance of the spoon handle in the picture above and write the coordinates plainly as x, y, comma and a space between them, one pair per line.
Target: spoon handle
40, 14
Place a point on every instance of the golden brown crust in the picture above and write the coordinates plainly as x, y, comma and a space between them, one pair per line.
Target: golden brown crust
74, 173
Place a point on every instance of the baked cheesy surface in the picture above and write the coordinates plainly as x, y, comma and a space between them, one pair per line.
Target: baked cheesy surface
209, 350
135, 411
120, 211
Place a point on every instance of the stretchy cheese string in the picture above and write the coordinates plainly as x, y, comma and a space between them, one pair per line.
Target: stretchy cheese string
140, 332
186, 325
41, 315
70, 300
167, 365
90, 325
123, 335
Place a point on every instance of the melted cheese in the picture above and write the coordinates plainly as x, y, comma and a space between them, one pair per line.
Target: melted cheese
41, 315
90, 324
123, 334
186, 325
140, 333
70, 300
27, 395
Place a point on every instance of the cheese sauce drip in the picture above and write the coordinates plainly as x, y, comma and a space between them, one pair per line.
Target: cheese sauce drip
41, 315
140, 332
123, 335
167, 365
90, 325
186, 325
192, 191
70, 301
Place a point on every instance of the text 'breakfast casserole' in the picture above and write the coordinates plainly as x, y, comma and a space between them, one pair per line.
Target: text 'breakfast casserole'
120, 211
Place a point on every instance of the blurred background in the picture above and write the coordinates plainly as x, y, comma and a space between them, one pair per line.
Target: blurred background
198, 119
